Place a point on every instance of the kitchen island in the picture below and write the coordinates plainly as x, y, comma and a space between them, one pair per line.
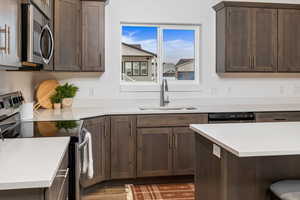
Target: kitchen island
241, 161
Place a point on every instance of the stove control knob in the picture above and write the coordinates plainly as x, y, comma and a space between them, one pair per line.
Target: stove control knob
15, 100
1, 105
11, 103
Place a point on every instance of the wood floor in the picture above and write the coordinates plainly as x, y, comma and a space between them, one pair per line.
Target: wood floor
106, 193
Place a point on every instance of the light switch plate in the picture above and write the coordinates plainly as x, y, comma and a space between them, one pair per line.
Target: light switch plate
217, 151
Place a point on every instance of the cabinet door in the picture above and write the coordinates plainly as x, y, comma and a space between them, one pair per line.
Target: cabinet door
10, 35
264, 40
100, 142
123, 147
93, 31
184, 151
238, 40
59, 187
154, 156
289, 40
67, 35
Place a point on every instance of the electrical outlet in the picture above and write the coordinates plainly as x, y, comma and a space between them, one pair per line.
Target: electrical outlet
282, 90
214, 91
91, 92
297, 90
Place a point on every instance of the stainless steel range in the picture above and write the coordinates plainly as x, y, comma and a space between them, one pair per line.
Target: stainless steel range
11, 127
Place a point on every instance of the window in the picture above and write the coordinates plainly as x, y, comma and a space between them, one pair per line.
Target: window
135, 68
128, 68
179, 54
144, 69
151, 53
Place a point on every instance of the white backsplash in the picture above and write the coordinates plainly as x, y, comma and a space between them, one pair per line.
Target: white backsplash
242, 87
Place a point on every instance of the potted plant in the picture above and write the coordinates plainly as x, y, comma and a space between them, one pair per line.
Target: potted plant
67, 92
56, 101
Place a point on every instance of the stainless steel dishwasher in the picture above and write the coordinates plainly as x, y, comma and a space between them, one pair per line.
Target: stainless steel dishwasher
236, 117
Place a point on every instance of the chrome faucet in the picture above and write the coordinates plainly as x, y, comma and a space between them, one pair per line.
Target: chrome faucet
164, 99
1, 135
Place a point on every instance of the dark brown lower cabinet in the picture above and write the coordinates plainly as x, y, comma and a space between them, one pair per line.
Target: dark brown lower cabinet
59, 189
154, 155
165, 151
184, 151
277, 116
99, 129
123, 147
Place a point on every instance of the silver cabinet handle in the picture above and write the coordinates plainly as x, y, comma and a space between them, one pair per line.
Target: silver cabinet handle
170, 141
6, 47
63, 173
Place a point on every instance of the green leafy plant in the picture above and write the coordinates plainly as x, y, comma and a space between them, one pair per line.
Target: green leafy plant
67, 90
66, 125
56, 98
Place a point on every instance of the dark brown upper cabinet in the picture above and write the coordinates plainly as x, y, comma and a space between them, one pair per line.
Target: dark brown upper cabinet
93, 31
10, 34
264, 40
79, 31
289, 40
238, 40
247, 37
67, 34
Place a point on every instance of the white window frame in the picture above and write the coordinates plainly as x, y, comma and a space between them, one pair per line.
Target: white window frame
174, 85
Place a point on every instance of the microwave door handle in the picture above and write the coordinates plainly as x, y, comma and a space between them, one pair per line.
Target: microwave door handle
52, 44
46, 28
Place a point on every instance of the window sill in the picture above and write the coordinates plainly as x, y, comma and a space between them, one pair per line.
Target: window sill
154, 87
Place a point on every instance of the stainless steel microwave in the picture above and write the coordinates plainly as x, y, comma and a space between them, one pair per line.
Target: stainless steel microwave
37, 36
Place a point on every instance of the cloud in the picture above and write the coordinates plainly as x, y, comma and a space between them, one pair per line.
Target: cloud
149, 44
174, 49
177, 49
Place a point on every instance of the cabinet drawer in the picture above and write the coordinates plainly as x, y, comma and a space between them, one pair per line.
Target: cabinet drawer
277, 116
92, 121
59, 187
167, 120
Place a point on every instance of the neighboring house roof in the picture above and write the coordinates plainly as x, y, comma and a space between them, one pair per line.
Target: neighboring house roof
135, 50
184, 61
185, 65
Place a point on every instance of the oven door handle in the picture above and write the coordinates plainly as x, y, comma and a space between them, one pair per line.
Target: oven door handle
3, 131
47, 28
85, 141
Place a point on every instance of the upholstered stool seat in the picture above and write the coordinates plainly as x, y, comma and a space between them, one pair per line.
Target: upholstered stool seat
286, 189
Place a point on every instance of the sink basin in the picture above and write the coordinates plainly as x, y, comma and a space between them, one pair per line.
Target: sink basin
168, 108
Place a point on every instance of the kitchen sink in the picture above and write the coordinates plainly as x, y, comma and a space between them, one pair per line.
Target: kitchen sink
167, 108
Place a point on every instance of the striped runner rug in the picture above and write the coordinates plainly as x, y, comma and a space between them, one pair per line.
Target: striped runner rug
161, 192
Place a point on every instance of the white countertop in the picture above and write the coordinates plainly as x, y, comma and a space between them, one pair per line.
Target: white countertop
254, 139
118, 108
30, 162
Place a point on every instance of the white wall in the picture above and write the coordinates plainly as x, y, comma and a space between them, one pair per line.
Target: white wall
17, 81
107, 85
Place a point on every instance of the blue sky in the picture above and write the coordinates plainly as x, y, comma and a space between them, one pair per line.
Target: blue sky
177, 43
